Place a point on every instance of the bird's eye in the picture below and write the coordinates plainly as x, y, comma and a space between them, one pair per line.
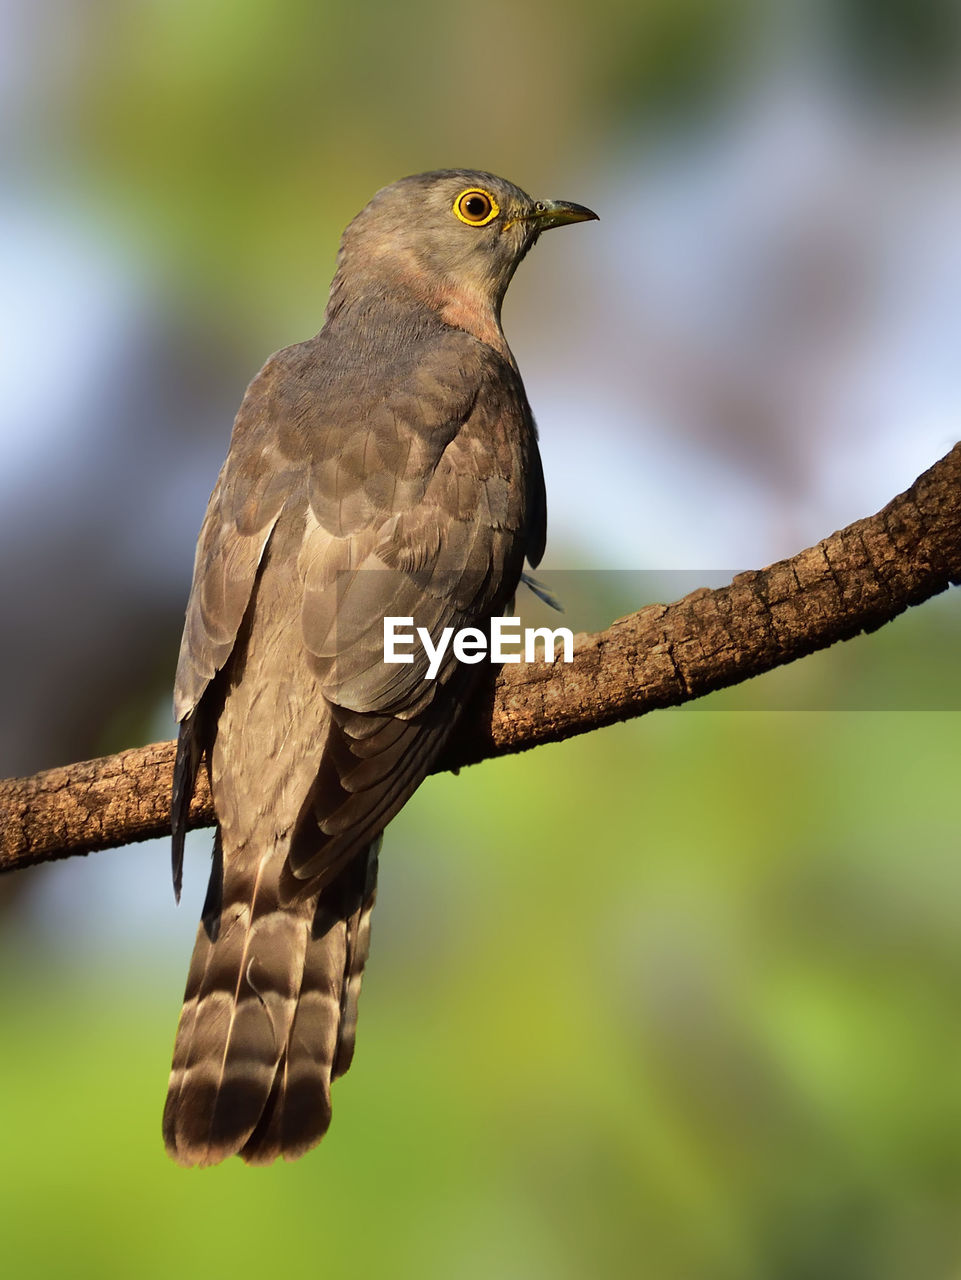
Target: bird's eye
476, 207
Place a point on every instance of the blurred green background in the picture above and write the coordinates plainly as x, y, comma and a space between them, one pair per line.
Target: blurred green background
679, 999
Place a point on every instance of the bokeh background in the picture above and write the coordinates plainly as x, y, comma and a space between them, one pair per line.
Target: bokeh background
679, 999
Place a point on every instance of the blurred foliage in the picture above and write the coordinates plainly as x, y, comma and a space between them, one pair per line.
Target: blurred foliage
678, 999
900, 46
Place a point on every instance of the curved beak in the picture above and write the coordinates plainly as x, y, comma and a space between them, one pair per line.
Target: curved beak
558, 213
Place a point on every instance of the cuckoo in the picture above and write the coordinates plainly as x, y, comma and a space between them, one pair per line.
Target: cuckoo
387, 466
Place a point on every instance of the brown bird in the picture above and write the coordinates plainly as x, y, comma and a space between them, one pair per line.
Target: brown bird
386, 467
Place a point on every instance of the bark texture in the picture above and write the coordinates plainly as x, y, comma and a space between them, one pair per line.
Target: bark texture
853, 581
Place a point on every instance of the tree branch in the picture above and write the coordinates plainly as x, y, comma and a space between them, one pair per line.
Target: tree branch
855, 580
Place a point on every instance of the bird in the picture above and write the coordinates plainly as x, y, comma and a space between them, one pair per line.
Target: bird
386, 467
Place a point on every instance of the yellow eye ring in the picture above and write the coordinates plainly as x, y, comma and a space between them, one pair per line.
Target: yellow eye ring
475, 207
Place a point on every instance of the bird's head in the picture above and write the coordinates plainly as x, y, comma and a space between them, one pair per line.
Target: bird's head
451, 238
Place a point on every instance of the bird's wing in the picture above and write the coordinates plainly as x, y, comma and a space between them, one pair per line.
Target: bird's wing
421, 513
250, 493
253, 484
414, 490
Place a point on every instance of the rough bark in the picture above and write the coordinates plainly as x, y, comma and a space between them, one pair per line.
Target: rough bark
855, 580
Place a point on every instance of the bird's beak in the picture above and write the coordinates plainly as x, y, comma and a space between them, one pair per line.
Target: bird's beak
558, 213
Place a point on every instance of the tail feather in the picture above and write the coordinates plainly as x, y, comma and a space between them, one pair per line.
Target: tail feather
269, 1015
241, 994
321, 1039
358, 949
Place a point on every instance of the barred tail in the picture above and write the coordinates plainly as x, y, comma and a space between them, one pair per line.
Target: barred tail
269, 1012
321, 1041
